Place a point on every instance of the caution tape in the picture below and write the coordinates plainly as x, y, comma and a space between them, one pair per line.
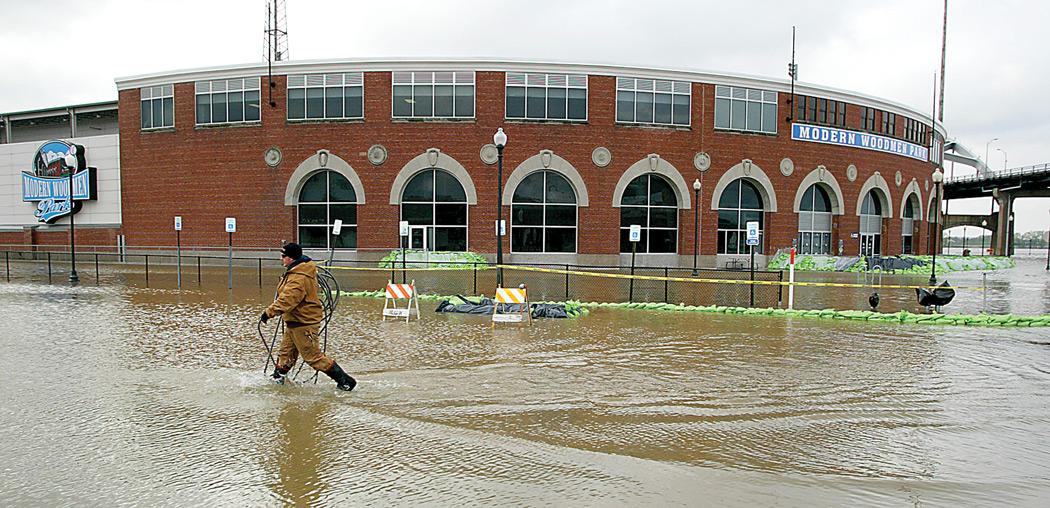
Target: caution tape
690, 280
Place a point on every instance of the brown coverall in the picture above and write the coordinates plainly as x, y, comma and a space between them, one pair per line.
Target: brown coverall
297, 301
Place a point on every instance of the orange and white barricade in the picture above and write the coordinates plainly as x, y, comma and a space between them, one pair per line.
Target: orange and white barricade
395, 292
506, 297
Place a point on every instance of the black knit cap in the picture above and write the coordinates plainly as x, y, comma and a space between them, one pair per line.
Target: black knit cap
292, 250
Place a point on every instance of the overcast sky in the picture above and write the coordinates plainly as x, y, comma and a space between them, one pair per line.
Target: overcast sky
59, 52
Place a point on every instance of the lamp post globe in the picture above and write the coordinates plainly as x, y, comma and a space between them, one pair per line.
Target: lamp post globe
500, 140
938, 178
696, 222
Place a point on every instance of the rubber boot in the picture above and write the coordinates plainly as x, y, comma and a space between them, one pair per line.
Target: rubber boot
279, 375
342, 380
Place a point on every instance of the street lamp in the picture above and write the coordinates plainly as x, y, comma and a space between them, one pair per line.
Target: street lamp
71, 164
938, 177
986, 145
1048, 249
984, 224
1004, 157
500, 140
696, 222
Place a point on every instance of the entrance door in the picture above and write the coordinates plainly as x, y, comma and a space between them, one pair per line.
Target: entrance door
870, 245
417, 238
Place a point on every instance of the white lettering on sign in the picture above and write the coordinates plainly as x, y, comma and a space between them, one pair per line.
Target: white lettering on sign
231, 224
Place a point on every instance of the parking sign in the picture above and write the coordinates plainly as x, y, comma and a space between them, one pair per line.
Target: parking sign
752, 232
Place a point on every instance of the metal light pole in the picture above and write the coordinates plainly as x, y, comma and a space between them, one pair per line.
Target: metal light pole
1004, 157
1048, 249
71, 163
938, 177
696, 223
500, 140
986, 145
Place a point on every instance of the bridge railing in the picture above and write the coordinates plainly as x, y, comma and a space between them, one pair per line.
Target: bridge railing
1007, 173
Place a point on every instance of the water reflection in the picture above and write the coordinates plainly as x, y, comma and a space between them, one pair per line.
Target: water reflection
157, 396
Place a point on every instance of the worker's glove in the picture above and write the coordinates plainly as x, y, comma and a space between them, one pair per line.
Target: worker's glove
264, 317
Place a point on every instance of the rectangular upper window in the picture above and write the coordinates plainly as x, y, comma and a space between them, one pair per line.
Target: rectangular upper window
444, 94
889, 123
326, 96
745, 109
652, 101
227, 101
546, 96
158, 106
820, 111
867, 118
916, 131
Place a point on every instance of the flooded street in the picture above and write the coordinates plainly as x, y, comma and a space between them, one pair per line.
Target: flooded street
127, 395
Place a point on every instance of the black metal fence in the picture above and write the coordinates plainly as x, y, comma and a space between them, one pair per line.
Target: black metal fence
546, 282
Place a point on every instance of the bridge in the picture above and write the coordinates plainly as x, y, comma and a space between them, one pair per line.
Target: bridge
1004, 186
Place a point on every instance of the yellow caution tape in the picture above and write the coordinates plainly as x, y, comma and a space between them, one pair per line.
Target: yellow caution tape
693, 280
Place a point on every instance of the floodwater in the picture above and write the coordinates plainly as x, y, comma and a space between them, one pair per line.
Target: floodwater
119, 394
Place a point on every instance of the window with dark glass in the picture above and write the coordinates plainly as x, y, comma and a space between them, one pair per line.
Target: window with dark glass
908, 225
820, 111
532, 96
916, 131
746, 109
445, 94
327, 196
543, 214
325, 96
740, 203
652, 101
435, 199
867, 118
157, 106
227, 101
814, 222
889, 123
650, 202
870, 225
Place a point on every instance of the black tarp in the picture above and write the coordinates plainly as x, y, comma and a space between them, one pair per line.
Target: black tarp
486, 306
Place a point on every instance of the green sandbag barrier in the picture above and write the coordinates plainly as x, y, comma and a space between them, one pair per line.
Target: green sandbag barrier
573, 308
1005, 320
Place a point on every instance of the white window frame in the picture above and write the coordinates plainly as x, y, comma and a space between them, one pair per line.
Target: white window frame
430, 228
748, 96
654, 86
454, 78
227, 86
328, 212
546, 82
151, 93
341, 80
807, 225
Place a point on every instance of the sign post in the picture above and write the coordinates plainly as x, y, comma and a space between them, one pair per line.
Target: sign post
231, 228
178, 249
634, 236
337, 226
791, 280
752, 241
403, 230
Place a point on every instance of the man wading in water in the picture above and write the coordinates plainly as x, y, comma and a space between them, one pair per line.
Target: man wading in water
297, 301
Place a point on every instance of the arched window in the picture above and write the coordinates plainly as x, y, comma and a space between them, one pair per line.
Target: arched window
814, 222
325, 197
650, 202
908, 225
543, 214
740, 203
870, 225
435, 206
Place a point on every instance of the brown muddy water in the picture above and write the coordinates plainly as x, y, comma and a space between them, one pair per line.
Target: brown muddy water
119, 394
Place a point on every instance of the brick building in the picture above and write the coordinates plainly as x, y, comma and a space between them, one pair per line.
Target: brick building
591, 150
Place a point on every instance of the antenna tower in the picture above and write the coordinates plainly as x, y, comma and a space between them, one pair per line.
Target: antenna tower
276, 30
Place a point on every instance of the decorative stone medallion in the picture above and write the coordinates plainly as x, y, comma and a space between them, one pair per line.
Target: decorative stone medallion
786, 166
489, 154
377, 154
272, 156
702, 161
898, 178
601, 156
851, 173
